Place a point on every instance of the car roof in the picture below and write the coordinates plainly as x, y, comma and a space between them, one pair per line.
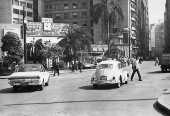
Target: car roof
109, 62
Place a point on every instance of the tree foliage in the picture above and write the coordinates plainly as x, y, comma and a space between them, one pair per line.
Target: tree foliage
76, 39
12, 46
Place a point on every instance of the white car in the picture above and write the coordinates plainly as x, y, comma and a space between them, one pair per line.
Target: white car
109, 72
30, 75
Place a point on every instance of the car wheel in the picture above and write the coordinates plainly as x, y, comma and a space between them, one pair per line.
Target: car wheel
126, 82
118, 85
47, 83
95, 86
41, 87
15, 88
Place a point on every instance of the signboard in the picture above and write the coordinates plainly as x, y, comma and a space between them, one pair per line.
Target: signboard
100, 48
47, 26
14, 30
47, 20
56, 29
34, 28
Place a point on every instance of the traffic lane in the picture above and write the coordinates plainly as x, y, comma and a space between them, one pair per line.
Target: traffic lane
83, 108
77, 90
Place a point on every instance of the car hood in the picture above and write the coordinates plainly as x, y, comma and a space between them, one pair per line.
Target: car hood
103, 72
25, 74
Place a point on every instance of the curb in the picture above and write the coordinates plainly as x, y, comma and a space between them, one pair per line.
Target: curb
162, 107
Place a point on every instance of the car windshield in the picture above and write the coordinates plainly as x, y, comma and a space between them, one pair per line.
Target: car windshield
29, 68
103, 66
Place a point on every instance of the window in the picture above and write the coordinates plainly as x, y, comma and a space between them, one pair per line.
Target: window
29, 5
29, 14
74, 5
66, 15
84, 14
75, 15
66, 6
22, 12
22, 3
84, 5
16, 11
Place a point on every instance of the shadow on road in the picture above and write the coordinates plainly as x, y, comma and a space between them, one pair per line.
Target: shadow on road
160, 109
11, 90
101, 87
82, 101
155, 72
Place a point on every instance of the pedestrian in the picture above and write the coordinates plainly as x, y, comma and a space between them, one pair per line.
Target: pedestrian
79, 66
56, 68
156, 61
135, 68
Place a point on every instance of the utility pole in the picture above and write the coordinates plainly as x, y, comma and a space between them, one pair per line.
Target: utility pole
24, 35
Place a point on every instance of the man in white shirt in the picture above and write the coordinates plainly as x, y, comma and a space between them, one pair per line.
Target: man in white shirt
135, 68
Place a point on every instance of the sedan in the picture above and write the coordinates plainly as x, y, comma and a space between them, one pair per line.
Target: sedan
109, 72
30, 75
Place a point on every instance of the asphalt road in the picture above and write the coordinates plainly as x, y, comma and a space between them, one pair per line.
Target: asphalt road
71, 94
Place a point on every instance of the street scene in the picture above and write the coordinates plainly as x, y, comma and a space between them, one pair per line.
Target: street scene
71, 93
84, 58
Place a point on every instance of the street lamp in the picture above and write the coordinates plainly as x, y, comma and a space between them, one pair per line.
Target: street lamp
129, 40
24, 35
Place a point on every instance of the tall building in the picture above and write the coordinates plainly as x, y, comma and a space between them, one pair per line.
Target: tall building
167, 26
157, 39
69, 11
12, 11
143, 29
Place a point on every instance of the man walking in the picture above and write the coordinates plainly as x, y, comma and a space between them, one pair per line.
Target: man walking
135, 68
56, 68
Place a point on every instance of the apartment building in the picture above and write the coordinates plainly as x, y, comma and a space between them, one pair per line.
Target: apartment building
167, 27
12, 11
69, 11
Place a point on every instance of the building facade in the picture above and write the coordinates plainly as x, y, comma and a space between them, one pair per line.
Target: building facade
143, 29
167, 27
69, 11
12, 11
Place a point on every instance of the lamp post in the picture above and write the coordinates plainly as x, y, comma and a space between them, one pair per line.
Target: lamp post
24, 35
129, 41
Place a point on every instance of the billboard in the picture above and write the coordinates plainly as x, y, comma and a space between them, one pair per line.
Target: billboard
54, 29
99, 48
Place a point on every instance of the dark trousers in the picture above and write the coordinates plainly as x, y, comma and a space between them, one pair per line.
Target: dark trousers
133, 73
56, 71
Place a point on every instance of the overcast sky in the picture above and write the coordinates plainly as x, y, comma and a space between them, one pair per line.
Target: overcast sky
156, 10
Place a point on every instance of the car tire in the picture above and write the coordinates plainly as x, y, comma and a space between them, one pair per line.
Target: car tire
118, 85
15, 88
47, 83
41, 87
126, 82
95, 86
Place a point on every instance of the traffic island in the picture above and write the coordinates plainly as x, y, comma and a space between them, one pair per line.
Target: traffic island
163, 103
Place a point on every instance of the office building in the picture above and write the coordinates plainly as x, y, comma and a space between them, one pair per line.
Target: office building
12, 11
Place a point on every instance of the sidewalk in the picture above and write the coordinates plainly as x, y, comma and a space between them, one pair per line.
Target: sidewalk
164, 102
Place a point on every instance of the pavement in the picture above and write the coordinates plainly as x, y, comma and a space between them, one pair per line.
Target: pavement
164, 102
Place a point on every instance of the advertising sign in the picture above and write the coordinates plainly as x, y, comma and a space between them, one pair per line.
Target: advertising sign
47, 20
52, 29
99, 48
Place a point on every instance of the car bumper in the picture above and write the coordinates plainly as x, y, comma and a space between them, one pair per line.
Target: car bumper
103, 82
32, 83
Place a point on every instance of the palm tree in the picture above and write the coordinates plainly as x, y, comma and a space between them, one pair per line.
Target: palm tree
109, 11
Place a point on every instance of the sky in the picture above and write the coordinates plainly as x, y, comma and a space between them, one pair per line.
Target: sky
156, 10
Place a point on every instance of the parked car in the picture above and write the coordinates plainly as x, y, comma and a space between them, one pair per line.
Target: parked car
89, 66
109, 72
30, 75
